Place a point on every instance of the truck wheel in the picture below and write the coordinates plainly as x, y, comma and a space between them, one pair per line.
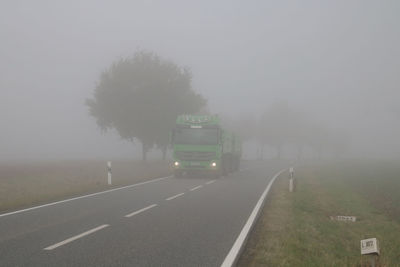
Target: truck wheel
237, 165
178, 174
216, 174
224, 171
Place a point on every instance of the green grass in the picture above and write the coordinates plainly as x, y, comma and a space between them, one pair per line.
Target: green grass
26, 184
295, 228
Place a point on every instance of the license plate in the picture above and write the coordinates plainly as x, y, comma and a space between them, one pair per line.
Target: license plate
194, 163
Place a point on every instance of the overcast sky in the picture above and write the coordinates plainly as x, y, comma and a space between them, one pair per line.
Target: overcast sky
338, 61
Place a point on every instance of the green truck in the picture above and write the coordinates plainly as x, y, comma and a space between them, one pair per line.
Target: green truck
200, 144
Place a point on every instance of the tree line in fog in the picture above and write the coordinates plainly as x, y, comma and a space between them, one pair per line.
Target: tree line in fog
281, 126
141, 96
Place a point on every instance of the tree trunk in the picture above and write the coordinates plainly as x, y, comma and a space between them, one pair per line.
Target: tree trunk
144, 151
260, 151
319, 152
164, 152
299, 152
278, 151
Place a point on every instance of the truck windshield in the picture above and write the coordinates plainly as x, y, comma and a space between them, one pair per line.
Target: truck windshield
196, 136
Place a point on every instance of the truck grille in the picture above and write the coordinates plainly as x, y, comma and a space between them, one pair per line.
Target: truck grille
195, 155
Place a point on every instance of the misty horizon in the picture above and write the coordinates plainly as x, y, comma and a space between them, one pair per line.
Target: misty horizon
336, 62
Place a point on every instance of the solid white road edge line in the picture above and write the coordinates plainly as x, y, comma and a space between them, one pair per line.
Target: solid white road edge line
141, 210
195, 188
85, 196
178, 195
233, 254
69, 240
210, 182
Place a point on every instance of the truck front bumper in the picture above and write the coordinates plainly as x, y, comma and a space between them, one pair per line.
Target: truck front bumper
212, 165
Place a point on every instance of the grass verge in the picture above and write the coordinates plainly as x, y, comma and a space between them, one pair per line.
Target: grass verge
28, 184
295, 228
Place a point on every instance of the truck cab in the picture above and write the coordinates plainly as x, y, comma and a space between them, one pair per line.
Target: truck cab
201, 145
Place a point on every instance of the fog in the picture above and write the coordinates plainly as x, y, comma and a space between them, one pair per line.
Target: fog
336, 61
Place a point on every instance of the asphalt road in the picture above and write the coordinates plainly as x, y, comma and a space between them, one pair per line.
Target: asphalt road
169, 222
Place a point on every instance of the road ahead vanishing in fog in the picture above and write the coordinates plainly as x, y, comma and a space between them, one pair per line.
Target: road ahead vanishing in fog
166, 222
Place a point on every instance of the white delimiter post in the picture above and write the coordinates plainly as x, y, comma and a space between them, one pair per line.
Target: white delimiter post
370, 247
291, 179
290, 185
109, 172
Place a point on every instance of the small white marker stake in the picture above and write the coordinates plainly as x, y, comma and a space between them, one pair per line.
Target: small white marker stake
370, 248
291, 179
109, 172
291, 185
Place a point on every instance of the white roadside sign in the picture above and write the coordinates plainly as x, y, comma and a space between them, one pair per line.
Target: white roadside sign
344, 218
369, 246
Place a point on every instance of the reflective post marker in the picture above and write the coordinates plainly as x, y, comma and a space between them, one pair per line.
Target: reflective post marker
291, 171
370, 248
291, 185
109, 172
291, 179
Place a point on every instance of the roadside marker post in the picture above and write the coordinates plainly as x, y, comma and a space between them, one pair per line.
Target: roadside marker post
291, 179
109, 173
370, 247
291, 185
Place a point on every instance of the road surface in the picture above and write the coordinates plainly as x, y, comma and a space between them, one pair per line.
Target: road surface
167, 222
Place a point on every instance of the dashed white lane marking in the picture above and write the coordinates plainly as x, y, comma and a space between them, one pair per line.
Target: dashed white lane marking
210, 182
69, 240
195, 188
140, 211
85, 196
173, 197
